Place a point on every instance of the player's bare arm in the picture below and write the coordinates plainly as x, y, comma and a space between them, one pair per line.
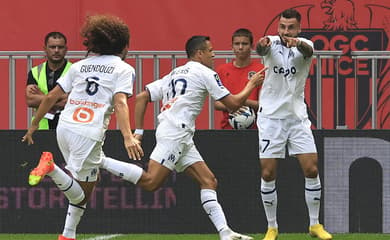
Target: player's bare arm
218, 105
60, 104
141, 103
252, 104
132, 145
263, 46
303, 47
257, 79
47, 103
234, 102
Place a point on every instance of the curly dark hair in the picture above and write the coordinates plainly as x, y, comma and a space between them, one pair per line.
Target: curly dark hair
105, 34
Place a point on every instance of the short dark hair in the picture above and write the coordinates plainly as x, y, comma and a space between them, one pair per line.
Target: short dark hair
291, 13
54, 35
197, 42
105, 34
243, 32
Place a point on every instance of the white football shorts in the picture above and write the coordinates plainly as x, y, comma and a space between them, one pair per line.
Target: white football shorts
82, 155
276, 134
175, 148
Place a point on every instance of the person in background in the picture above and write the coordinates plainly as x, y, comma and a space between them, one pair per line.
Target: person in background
43, 78
283, 121
236, 74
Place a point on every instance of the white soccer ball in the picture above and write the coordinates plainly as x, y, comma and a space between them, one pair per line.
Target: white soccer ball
244, 119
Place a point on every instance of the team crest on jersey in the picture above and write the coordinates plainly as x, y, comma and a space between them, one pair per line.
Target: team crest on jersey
218, 80
94, 172
92, 85
250, 74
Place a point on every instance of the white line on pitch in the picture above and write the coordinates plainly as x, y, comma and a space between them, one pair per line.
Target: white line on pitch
104, 237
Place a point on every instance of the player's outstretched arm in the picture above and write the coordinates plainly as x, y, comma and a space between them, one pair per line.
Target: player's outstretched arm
132, 145
263, 46
234, 102
303, 47
218, 105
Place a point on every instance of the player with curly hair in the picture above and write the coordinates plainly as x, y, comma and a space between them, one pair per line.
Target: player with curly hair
97, 86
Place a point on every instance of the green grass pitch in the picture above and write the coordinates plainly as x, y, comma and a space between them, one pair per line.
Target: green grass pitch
282, 236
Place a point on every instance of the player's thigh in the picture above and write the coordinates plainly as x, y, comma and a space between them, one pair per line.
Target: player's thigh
82, 155
189, 157
272, 138
155, 176
167, 152
175, 152
202, 174
62, 142
301, 140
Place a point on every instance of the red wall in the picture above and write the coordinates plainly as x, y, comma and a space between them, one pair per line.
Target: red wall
166, 25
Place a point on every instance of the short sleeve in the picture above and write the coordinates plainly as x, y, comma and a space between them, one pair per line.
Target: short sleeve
30, 78
125, 81
65, 82
155, 90
214, 85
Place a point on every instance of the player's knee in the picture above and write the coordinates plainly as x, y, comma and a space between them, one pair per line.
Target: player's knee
150, 184
209, 183
268, 175
311, 172
152, 187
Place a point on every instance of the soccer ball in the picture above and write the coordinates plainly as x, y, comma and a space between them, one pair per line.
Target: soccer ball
244, 119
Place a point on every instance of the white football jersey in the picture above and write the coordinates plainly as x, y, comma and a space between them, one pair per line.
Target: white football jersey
91, 84
183, 92
282, 93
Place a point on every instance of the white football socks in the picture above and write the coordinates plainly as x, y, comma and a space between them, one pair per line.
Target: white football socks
270, 201
73, 217
70, 187
127, 171
313, 198
213, 209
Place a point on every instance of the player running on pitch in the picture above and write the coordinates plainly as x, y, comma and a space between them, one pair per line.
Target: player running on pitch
97, 85
183, 92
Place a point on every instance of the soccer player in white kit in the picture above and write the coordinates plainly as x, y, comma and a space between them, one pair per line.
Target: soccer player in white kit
183, 92
97, 86
283, 119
